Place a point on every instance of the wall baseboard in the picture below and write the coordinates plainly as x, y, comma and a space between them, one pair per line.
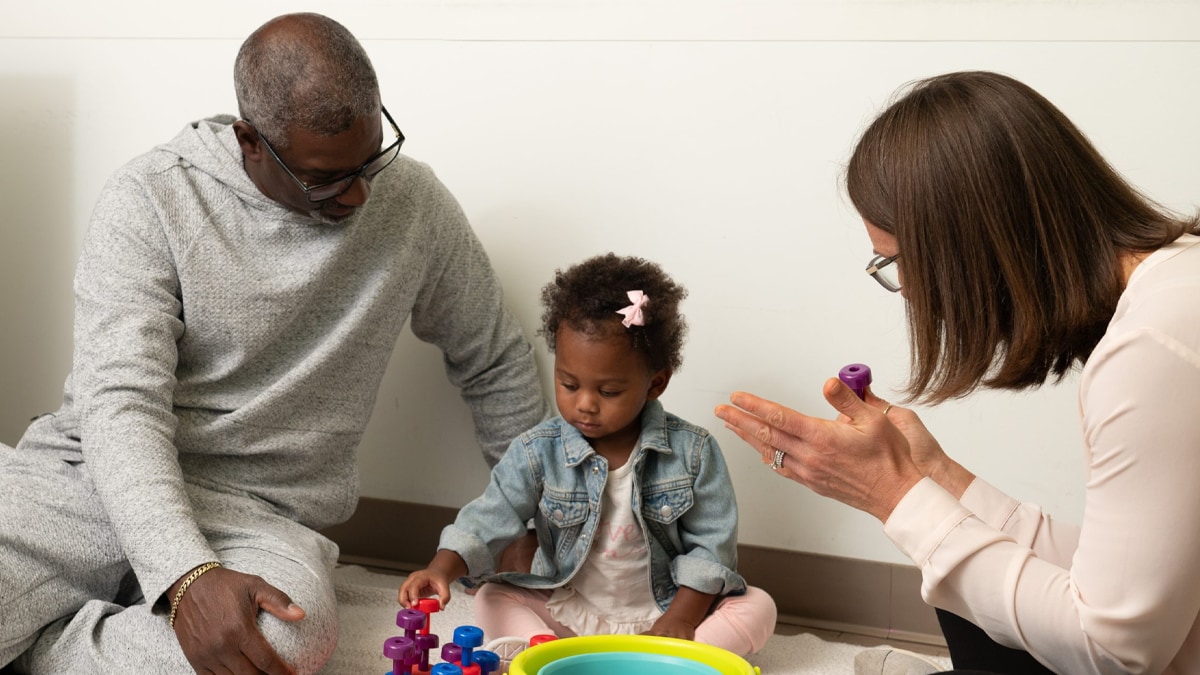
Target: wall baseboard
820, 591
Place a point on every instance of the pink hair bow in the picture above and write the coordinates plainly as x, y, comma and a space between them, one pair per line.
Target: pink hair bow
633, 313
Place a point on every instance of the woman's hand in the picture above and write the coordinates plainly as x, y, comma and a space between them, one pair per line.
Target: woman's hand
860, 459
924, 449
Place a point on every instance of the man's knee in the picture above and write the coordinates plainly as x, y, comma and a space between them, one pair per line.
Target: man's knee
308, 643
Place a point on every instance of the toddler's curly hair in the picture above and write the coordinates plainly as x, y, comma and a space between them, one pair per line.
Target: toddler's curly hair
586, 297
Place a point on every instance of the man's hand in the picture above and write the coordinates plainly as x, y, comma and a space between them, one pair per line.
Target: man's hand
216, 623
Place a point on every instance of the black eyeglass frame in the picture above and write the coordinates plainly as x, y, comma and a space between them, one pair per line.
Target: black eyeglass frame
317, 193
878, 263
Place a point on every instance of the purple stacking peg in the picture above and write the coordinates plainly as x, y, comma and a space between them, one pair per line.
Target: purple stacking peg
856, 376
411, 620
398, 649
425, 643
451, 653
446, 669
467, 637
488, 661
414, 657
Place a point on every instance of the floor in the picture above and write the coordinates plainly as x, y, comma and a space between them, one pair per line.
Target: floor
789, 628
848, 637
781, 628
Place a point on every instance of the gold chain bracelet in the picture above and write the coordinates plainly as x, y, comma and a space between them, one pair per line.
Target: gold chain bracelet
188, 582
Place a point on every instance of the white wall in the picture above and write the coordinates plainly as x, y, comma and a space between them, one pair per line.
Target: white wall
705, 135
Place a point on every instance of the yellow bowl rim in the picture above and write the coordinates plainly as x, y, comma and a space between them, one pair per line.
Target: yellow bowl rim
725, 662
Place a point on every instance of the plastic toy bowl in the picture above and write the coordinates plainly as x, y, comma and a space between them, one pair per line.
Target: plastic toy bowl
628, 655
625, 663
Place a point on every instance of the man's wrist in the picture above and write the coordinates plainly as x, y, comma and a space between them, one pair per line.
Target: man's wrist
185, 583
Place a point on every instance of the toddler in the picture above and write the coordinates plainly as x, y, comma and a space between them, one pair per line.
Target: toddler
633, 507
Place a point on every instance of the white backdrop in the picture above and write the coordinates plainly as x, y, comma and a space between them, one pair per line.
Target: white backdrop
708, 136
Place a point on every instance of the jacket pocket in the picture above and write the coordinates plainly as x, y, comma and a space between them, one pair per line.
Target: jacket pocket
564, 514
563, 509
666, 503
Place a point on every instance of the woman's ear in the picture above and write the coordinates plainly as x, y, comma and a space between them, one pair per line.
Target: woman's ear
658, 384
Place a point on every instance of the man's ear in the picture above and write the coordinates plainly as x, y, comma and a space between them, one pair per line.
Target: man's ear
658, 384
249, 140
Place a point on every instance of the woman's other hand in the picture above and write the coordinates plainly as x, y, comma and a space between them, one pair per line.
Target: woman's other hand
861, 459
924, 449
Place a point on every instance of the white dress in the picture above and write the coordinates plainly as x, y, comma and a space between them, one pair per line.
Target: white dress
610, 593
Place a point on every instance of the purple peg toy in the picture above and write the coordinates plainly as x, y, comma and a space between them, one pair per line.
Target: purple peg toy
411, 620
856, 376
468, 637
446, 669
488, 661
425, 643
398, 649
451, 653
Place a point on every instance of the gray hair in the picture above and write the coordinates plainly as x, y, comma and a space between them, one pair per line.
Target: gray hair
303, 71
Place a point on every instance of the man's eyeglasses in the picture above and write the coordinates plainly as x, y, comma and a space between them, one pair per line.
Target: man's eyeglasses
882, 270
334, 188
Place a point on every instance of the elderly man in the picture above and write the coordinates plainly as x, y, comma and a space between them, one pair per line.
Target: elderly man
238, 295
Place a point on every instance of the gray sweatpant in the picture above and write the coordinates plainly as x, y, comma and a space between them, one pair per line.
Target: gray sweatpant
69, 601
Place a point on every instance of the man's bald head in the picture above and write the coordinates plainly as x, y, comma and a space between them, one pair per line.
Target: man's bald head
303, 71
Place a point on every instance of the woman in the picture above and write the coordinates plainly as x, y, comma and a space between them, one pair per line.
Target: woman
1020, 253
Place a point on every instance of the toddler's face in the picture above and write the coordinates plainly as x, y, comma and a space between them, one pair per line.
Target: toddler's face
601, 385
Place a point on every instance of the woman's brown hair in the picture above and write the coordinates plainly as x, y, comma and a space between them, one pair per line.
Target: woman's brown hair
1011, 228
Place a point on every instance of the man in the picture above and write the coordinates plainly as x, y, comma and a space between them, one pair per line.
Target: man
238, 295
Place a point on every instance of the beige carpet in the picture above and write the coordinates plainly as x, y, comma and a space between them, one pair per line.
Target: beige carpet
368, 609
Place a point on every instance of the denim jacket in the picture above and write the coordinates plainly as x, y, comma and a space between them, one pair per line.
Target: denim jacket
683, 500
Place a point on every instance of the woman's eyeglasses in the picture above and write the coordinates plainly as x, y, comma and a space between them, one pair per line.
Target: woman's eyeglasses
882, 270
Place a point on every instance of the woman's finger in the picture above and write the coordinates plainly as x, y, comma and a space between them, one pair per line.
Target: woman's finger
774, 415
756, 432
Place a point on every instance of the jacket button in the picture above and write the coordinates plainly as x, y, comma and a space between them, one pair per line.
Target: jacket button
595, 469
665, 511
558, 514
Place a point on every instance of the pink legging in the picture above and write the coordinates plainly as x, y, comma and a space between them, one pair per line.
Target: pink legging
738, 623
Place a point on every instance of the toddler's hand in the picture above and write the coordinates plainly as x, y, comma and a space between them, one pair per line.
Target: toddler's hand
422, 584
667, 626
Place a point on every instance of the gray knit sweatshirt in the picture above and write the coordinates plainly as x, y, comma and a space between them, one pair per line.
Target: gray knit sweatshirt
223, 340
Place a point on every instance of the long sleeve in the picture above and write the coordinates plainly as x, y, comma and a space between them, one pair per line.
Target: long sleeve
1051, 540
492, 520
708, 530
487, 356
1119, 594
127, 322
